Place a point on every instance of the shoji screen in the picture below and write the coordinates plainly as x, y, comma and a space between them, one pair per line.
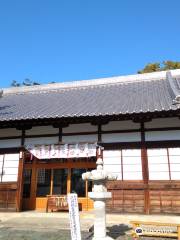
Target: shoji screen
158, 164
112, 162
10, 168
125, 163
132, 167
174, 159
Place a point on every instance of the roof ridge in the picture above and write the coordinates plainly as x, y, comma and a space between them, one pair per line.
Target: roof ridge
93, 82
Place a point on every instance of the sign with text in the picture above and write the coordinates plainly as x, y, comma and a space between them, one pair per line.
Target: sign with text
63, 150
74, 216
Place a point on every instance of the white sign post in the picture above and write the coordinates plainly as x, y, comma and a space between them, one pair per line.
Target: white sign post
74, 216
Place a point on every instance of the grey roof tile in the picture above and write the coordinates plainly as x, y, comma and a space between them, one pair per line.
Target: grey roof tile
107, 98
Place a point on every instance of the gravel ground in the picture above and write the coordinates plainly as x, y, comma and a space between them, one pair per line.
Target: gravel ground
48, 234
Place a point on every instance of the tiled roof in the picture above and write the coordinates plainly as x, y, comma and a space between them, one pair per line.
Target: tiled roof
142, 93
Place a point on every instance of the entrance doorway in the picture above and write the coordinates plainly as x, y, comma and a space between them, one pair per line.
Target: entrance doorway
55, 177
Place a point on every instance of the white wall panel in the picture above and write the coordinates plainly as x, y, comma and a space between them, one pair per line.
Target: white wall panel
163, 122
121, 137
157, 152
131, 152
174, 151
10, 132
112, 153
10, 143
175, 176
43, 140
174, 159
12, 157
132, 160
11, 164
79, 138
162, 135
10, 169
1, 164
132, 168
83, 127
175, 168
132, 175
9, 178
42, 130
158, 164
112, 168
159, 175
158, 167
112, 162
120, 125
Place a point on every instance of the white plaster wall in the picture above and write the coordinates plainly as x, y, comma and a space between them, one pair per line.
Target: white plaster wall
10, 132
79, 138
10, 143
120, 125
121, 137
163, 122
43, 140
83, 127
42, 130
162, 135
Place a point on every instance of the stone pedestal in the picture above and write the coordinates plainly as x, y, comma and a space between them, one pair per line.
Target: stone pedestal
100, 214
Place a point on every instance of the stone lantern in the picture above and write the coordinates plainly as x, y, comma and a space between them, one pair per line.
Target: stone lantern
99, 194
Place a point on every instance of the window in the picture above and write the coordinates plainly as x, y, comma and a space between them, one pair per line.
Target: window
131, 164
27, 183
164, 164
174, 161
9, 164
77, 183
60, 181
158, 164
126, 163
43, 182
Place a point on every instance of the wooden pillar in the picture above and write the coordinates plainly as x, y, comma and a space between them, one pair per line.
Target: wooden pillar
19, 194
33, 185
69, 181
52, 180
145, 171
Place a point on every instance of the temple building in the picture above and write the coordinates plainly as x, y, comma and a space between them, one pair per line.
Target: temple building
49, 136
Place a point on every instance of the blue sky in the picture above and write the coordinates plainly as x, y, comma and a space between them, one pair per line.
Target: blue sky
63, 40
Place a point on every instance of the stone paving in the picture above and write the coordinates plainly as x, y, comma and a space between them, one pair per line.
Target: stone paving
51, 226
